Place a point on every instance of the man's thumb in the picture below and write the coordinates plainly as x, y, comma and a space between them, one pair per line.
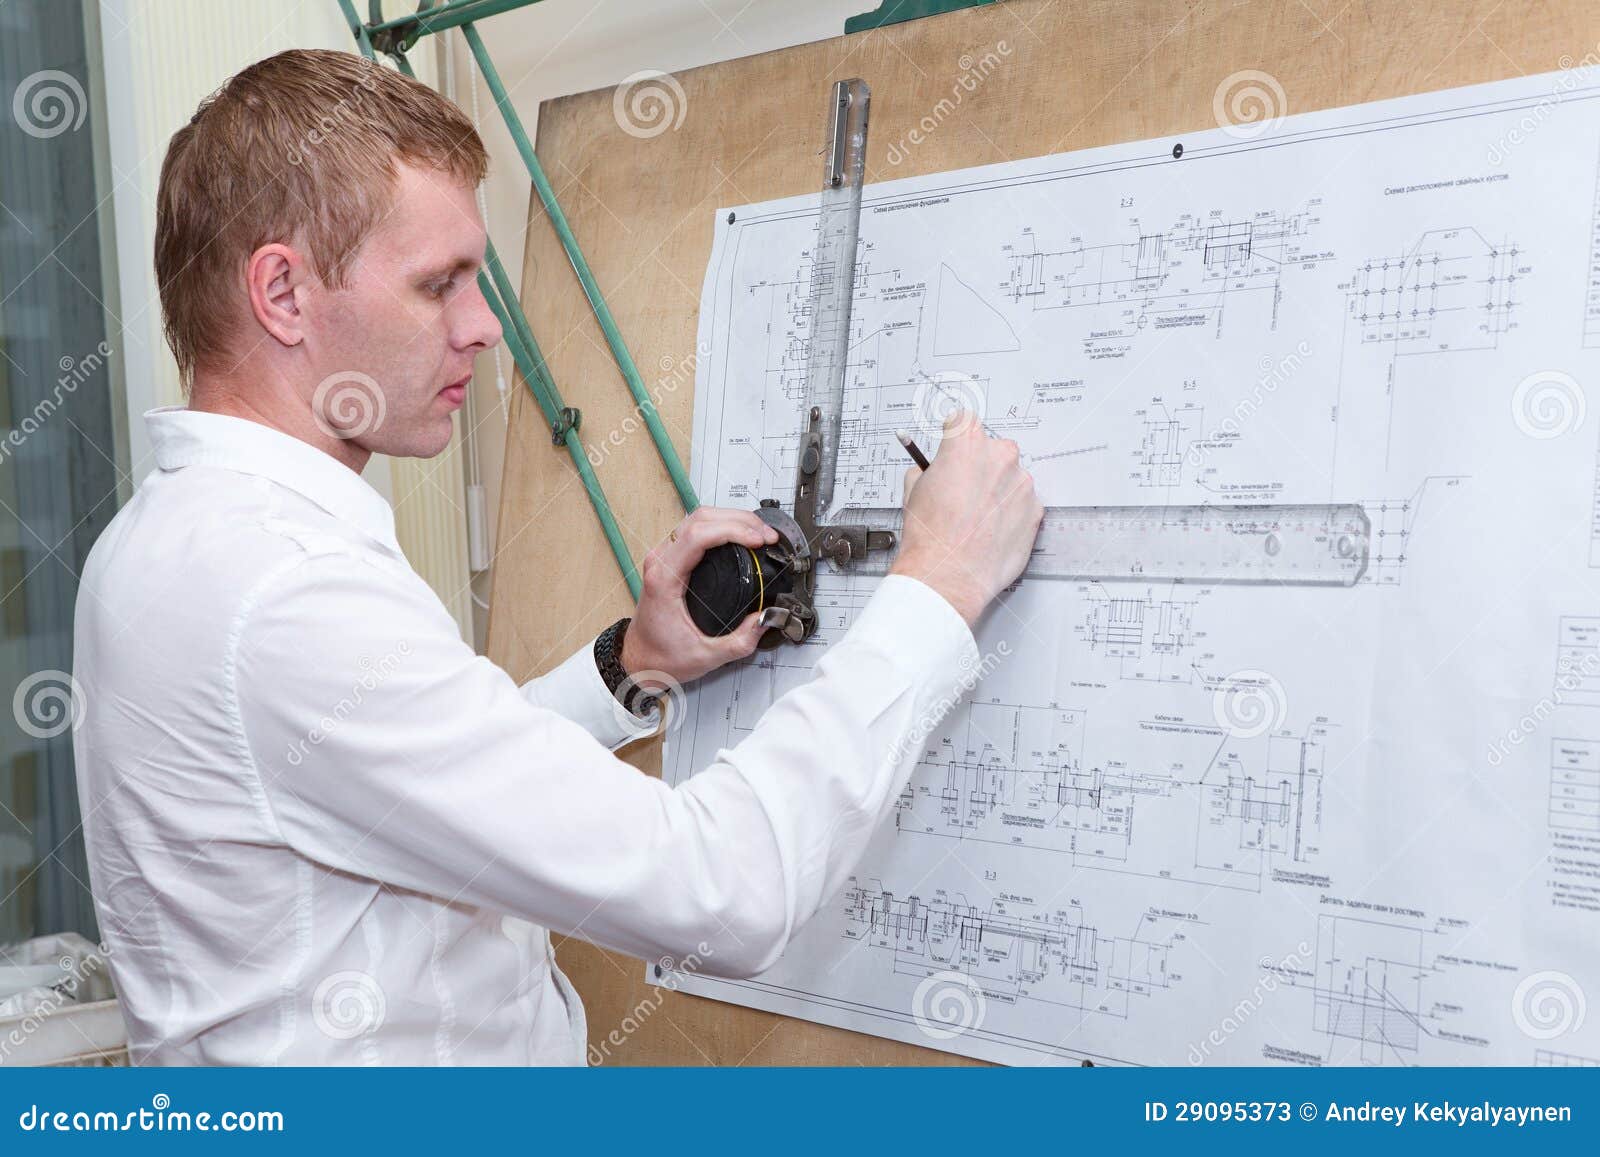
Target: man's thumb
742, 640
959, 421
913, 476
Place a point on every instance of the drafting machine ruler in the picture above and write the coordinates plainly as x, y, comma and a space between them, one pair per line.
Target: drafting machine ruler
1291, 545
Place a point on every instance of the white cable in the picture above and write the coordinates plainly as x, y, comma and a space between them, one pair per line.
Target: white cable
479, 550
469, 414
483, 211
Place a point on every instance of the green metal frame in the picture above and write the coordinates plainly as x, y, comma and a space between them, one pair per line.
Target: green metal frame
395, 38
899, 11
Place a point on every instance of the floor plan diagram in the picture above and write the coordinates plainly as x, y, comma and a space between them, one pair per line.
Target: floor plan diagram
1365, 815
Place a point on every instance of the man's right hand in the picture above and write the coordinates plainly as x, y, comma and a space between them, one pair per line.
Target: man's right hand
970, 523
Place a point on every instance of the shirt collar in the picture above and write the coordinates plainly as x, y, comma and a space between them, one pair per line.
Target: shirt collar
183, 437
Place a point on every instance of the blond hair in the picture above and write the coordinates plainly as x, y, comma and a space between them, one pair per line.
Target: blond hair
300, 148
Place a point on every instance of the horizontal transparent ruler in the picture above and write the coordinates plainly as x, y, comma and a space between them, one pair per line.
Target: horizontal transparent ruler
1290, 544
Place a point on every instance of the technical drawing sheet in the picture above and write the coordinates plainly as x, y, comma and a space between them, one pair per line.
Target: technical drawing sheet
1184, 824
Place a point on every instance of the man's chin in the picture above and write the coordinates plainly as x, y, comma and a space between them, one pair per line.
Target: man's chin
428, 440
436, 441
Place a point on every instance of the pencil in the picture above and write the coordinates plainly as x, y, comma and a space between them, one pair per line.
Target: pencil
916, 453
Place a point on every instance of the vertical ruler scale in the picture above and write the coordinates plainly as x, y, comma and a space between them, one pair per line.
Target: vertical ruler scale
833, 272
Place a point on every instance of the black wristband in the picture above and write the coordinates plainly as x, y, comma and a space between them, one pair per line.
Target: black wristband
608, 661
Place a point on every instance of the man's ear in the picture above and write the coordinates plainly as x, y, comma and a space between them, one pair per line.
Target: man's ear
276, 276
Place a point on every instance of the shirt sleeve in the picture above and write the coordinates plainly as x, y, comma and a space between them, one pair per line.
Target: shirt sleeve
576, 691
382, 745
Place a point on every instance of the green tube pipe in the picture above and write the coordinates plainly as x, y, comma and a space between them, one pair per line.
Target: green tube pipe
436, 19
551, 408
357, 29
602, 509
519, 320
520, 353
591, 289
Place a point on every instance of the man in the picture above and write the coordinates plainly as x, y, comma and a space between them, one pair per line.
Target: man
321, 829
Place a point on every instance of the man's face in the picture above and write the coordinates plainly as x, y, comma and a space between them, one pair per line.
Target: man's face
393, 348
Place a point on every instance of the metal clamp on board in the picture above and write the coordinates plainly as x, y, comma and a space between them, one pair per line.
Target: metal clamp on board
571, 419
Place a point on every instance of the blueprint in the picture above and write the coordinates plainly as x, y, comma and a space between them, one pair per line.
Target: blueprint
1191, 824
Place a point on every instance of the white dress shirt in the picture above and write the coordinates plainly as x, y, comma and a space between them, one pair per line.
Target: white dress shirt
321, 829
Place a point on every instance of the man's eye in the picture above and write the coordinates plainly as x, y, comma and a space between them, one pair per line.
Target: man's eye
438, 288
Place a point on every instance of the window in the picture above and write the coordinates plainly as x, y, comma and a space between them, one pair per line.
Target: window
59, 438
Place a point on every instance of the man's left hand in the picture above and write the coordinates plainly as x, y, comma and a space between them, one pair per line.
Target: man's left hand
662, 640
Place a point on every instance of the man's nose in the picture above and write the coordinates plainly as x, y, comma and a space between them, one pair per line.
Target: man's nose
478, 328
